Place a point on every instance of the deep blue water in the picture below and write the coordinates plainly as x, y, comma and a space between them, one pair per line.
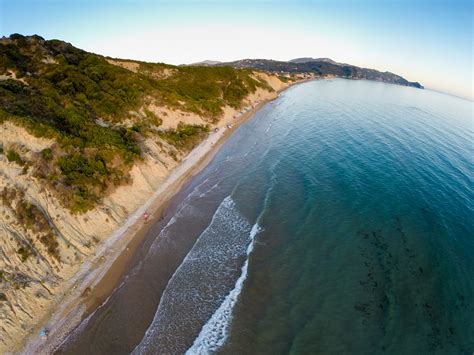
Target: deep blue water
338, 220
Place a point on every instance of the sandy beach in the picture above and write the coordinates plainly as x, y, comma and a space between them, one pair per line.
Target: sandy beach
97, 277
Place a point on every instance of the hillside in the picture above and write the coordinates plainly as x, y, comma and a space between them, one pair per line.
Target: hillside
322, 67
88, 104
84, 141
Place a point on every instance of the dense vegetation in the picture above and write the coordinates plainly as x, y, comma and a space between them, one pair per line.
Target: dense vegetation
14, 156
204, 90
82, 101
185, 136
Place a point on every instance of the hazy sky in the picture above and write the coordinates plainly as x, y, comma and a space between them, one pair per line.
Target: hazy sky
426, 41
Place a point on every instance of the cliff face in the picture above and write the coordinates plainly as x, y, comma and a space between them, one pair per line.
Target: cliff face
85, 140
322, 67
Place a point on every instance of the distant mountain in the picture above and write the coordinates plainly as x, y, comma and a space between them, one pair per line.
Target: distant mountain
309, 59
322, 67
206, 63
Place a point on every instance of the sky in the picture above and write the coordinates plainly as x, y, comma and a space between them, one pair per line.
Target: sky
426, 41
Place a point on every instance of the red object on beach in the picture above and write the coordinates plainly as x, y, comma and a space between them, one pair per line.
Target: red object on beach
145, 216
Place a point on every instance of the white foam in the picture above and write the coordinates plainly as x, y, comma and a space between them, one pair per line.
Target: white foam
269, 127
215, 332
195, 286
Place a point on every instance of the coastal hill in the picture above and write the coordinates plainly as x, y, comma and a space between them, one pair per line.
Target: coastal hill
307, 67
85, 140
322, 67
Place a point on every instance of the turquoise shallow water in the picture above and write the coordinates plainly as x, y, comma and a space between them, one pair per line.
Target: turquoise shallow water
338, 220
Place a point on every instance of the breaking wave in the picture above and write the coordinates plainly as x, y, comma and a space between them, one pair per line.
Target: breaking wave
201, 283
214, 333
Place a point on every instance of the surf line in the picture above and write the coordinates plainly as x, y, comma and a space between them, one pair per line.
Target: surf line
215, 332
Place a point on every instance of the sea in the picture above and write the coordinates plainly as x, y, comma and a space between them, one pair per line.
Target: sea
339, 219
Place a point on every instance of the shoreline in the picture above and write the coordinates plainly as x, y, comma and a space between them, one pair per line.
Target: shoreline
96, 279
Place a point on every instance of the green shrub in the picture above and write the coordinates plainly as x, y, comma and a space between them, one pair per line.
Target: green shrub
8, 195
152, 118
47, 154
87, 178
33, 218
50, 241
285, 79
24, 253
15, 157
185, 136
